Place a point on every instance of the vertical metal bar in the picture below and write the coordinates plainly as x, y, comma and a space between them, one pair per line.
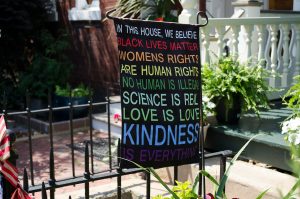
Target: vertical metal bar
119, 183
5, 115
148, 188
25, 180
52, 174
201, 140
119, 170
50, 118
175, 174
71, 131
119, 153
109, 129
87, 171
91, 129
200, 175
223, 160
29, 138
44, 192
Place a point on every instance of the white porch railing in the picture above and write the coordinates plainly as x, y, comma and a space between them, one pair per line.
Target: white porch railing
275, 40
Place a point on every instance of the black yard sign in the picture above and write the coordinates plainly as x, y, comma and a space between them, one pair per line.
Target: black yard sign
159, 66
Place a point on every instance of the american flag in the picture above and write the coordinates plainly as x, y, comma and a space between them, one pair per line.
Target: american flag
9, 171
4, 141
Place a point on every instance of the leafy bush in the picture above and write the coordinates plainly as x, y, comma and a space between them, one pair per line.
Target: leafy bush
292, 97
291, 130
80, 91
227, 77
50, 64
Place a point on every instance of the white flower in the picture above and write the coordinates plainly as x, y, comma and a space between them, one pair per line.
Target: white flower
210, 105
285, 127
205, 99
292, 130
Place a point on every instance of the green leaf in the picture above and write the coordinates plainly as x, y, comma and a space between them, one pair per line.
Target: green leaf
260, 196
293, 189
195, 185
210, 177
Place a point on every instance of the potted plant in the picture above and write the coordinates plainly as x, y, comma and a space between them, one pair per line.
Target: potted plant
63, 96
235, 87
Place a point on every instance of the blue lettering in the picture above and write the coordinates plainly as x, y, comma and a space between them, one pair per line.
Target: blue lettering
190, 139
127, 132
181, 134
148, 136
172, 134
157, 143
197, 127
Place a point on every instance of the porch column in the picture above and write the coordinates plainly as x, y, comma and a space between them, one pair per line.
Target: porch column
189, 12
296, 5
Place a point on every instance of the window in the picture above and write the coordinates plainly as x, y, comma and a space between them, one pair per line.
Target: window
281, 4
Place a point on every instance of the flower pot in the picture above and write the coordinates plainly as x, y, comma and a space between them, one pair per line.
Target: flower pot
37, 104
229, 111
79, 112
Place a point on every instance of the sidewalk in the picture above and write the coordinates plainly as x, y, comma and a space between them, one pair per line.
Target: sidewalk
245, 180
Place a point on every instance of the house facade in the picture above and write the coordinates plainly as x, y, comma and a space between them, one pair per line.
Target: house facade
225, 8
266, 30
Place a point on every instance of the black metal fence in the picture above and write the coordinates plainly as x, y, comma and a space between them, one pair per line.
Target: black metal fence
89, 175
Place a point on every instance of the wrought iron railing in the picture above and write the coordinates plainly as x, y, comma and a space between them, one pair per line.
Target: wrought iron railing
89, 175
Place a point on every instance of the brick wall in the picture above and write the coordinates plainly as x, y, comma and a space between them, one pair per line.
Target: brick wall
97, 63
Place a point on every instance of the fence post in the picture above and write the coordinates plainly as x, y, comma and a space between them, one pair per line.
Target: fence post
119, 170
52, 174
175, 175
29, 136
108, 127
71, 131
148, 182
87, 171
44, 192
91, 128
25, 180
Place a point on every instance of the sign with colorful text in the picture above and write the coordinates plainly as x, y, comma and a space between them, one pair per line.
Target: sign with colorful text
159, 66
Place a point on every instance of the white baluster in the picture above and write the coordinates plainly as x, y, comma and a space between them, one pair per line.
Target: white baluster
260, 40
248, 35
273, 78
268, 49
297, 63
286, 54
205, 37
220, 36
235, 34
189, 12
